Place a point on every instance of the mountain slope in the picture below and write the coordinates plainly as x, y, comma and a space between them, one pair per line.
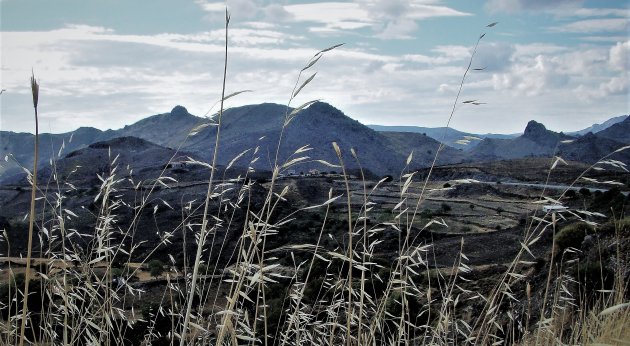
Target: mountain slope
535, 141
590, 148
619, 132
595, 128
424, 149
449, 135
318, 126
21, 146
166, 129
82, 167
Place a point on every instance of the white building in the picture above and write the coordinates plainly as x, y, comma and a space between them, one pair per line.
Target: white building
554, 208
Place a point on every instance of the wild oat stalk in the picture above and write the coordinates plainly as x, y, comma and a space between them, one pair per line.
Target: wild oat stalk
204, 223
31, 216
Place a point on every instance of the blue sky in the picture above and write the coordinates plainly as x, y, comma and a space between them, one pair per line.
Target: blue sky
110, 63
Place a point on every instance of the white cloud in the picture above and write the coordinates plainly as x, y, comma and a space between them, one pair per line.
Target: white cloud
454, 52
584, 75
533, 49
594, 12
333, 15
618, 56
401, 29
390, 19
588, 26
616, 85
276, 13
511, 6
603, 38
260, 25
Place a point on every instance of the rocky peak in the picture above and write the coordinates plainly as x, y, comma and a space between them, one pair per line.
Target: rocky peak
534, 129
179, 111
323, 107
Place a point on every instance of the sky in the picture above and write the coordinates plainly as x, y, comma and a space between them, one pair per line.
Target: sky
107, 64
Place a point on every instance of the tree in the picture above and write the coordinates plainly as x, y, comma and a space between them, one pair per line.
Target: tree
156, 268
446, 208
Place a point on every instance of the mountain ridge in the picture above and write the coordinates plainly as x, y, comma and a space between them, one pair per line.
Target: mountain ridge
258, 128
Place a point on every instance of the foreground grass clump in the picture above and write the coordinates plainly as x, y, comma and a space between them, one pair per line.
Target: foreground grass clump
245, 265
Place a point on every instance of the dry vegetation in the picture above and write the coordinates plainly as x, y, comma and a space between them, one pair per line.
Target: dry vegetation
366, 276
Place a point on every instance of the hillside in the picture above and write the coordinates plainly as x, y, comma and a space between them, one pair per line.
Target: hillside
21, 146
135, 157
424, 149
595, 128
259, 126
619, 132
535, 141
166, 129
449, 136
318, 126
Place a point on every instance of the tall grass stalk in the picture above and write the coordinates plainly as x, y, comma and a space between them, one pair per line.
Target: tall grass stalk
204, 222
31, 216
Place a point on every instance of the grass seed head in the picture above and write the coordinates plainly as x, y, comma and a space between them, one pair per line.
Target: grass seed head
34, 90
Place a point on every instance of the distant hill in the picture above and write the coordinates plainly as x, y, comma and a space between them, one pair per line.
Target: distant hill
619, 132
166, 129
592, 147
257, 128
251, 127
537, 141
21, 146
449, 135
595, 128
424, 149
138, 156
318, 126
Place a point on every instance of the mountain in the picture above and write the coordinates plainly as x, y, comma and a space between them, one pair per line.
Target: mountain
536, 140
619, 132
424, 149
595, 128
134, 156
592, 147
166, 129
21, 146
449, 136
318, 126
256, 128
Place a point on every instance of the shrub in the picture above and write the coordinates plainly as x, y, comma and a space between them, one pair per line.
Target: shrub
388, 178
571, 236
156, 267
571, 194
